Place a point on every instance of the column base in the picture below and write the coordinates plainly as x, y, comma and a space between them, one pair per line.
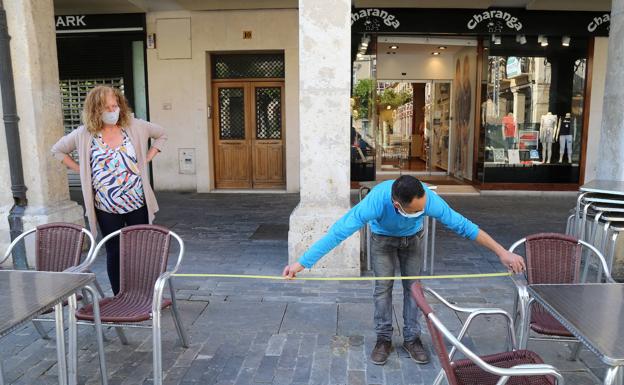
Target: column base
65, 211
308, 223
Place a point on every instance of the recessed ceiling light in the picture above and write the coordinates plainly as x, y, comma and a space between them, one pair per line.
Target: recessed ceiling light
388, 107
394, 46
442, 47
435, 53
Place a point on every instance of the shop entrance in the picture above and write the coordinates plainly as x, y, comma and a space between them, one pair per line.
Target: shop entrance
248, 134
426, 106
415, 126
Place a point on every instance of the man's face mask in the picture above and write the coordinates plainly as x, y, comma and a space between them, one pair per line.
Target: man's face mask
406, 215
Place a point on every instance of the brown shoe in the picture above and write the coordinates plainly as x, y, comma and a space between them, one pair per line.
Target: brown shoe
416, 350
381, 351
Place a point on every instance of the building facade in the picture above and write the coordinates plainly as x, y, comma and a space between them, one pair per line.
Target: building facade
266, 98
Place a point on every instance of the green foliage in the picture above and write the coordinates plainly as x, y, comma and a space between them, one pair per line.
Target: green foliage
363, 95
389, 97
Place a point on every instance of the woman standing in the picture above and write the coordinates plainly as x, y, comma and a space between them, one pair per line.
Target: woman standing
113, 152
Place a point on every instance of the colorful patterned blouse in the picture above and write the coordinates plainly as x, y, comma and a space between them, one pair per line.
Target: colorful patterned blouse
115, 176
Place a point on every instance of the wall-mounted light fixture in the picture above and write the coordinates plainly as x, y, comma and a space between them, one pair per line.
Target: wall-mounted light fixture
565, 41
521, 39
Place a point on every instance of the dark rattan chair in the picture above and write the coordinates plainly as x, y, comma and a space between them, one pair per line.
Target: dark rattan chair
144, 252
517, 367
551, 258
58, 247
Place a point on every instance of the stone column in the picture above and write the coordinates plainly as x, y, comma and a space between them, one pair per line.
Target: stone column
324, 91
35, 71
611, 163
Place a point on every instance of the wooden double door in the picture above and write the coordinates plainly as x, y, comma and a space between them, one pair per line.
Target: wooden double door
249, 134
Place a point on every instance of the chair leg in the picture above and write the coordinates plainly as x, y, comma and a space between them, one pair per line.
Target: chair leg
121, 335
99, 335
576, 350
157, 349
39, 327
441, 376
176, 316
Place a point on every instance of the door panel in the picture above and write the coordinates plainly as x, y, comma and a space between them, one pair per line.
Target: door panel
232, 139
249, 134
268, 131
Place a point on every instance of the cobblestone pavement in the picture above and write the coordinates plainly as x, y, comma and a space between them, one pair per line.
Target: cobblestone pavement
277, 332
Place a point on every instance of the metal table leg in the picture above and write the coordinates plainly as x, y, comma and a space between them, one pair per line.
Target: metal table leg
368, 247
426, 243
72, 368
60, 344
433, 235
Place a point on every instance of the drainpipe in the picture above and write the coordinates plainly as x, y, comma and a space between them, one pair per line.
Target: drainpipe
9, 110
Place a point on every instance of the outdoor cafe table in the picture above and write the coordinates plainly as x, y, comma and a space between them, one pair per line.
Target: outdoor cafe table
594, 313
26, 294
602, 186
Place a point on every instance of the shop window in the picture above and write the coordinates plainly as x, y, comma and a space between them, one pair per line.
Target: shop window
248, 66
532, 116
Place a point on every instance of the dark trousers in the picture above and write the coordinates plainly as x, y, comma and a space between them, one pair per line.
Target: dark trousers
386, 253
112, 222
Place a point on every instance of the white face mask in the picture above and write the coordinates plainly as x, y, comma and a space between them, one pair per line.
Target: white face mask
406, 215
110, 117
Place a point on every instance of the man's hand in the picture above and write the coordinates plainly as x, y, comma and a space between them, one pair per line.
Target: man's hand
512, 261
290, 271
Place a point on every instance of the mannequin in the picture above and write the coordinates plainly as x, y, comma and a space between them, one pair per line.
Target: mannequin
510, 131
548, 125
565, 131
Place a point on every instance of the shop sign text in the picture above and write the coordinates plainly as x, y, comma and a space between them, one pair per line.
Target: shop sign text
70, 21
598, 21
495, 21
373, 18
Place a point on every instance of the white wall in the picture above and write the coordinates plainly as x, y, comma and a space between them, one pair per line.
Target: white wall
417, 66
185, 85
599, 73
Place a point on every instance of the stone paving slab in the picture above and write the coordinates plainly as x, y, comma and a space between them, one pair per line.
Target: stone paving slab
274, 332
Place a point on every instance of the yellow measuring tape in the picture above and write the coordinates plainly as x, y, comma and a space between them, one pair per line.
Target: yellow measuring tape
279, 277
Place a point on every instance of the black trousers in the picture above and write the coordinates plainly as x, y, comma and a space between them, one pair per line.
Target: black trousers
112, 222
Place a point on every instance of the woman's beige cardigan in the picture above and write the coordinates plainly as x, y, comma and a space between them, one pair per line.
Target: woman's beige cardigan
139, 132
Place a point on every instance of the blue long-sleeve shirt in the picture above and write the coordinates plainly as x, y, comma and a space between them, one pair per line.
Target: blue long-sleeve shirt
378, 209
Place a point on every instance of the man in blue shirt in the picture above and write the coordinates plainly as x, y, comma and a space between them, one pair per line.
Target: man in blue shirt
395, 210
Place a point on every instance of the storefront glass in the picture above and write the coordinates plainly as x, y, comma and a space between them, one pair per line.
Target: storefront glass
532, 113
363, 114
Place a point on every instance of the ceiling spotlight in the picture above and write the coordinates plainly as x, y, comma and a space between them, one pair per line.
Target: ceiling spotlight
442, 47
496, 39
542, 40
388, 107
521, 39
565, 41
435, 53
394, 46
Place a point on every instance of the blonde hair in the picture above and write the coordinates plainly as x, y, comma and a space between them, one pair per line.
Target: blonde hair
95, 104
